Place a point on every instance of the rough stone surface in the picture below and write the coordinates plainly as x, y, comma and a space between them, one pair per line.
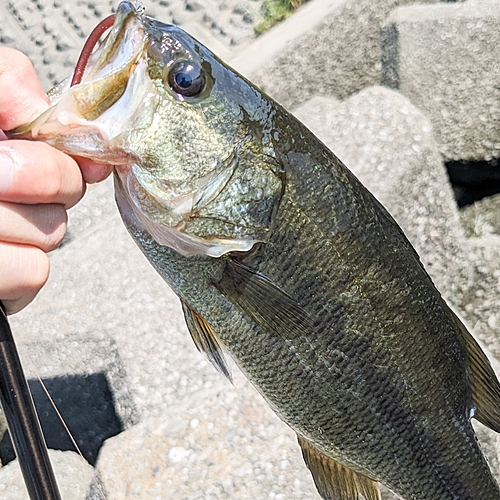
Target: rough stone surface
481, 302
87, 383
83, 357
219, 448
444, 57
388, 143
482, 218
52, 32
96, 208
329, 47
73, 475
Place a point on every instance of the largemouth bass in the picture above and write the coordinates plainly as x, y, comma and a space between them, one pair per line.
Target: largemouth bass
282, 259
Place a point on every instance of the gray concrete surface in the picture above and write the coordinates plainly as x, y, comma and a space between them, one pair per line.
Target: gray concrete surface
444, 58
106, 312
330, 47
73, 475
52, 32
236, 451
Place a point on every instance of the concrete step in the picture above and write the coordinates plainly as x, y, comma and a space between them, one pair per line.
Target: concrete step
328, 47
73, 476
224, 446
444, 58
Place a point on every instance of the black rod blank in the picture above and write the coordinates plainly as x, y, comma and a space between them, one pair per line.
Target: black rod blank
22, 420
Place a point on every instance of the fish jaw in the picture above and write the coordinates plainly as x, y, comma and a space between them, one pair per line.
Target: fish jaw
113, 97
174, 237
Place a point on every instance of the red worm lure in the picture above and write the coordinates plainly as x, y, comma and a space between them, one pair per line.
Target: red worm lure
91, 42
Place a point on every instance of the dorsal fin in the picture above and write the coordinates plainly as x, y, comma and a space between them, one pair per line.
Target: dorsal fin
206, 340
258, 297
484, 383
334, 480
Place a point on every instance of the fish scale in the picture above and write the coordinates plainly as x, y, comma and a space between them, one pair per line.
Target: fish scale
270, 260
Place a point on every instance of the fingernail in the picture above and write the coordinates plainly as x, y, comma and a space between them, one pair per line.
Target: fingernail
6, 172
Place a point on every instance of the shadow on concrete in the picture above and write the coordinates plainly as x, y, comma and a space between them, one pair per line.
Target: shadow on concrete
86, 405
474, 180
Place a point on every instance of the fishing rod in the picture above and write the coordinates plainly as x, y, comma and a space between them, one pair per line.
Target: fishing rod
22, 420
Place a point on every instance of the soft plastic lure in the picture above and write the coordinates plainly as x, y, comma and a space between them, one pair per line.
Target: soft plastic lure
89, 46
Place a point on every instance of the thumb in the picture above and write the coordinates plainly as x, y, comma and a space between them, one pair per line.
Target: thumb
22, 98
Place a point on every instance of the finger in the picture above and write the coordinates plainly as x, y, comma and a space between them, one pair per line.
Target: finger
93, 172
23, 272
33, 172
22, 98
42, 226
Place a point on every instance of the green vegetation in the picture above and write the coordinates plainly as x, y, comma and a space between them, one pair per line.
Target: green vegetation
275, 11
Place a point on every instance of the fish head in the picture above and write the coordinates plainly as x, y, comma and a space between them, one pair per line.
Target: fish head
190, 139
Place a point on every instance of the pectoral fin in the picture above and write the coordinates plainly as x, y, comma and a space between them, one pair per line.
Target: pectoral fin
484, 383
206, 340
334, 480
269, 306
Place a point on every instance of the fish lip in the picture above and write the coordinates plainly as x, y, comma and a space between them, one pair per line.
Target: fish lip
121, 44
109, 69
104, 80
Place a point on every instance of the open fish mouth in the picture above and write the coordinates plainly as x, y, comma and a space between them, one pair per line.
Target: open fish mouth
91, 98
112, 51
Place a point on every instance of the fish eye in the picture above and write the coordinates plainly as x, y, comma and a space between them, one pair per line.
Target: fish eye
186, 78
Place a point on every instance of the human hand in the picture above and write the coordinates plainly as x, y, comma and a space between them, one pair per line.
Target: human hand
37, 185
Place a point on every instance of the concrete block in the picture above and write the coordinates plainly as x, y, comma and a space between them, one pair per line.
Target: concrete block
389, 145
445, 59
218, 448
481, 304
482, 218
73, 475
328, 47
87, 384
52, 34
